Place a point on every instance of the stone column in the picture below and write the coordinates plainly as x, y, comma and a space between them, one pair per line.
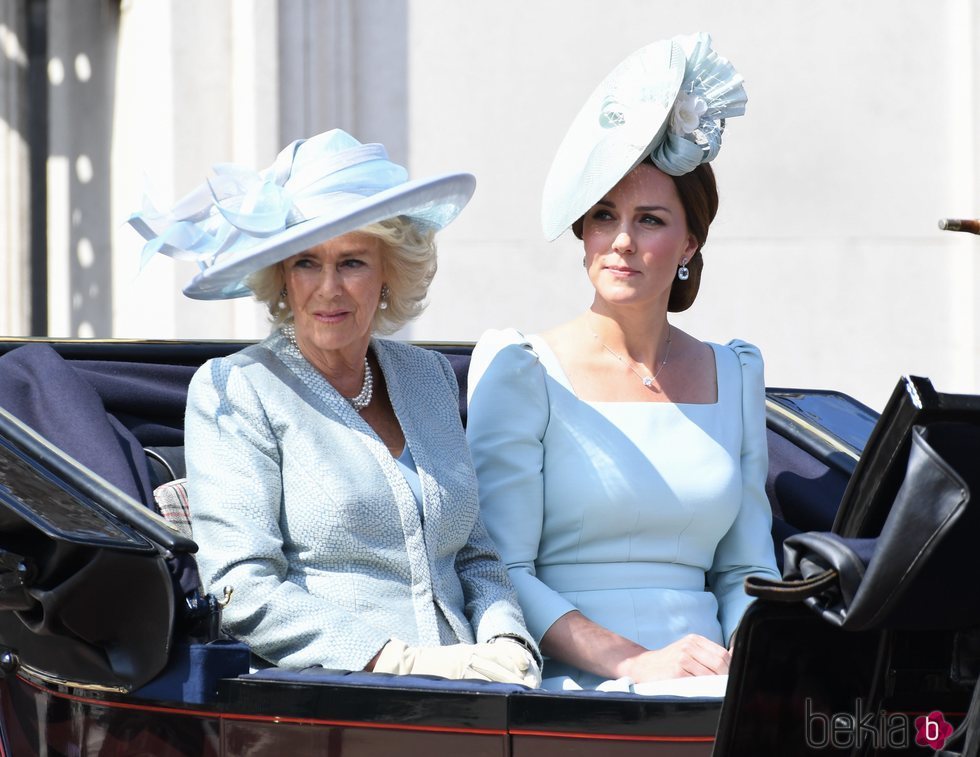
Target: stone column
14, 173
81, 73
215, 100
344, 65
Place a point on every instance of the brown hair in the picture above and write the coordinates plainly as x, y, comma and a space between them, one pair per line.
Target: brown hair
698, 194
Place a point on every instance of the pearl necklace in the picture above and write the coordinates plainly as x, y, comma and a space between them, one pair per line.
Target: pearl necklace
647, 380
363, 398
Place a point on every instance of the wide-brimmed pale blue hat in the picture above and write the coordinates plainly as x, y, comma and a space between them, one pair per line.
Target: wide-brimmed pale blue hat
241, 221
668, 100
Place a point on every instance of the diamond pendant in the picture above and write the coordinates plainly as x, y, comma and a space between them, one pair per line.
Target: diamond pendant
647, 382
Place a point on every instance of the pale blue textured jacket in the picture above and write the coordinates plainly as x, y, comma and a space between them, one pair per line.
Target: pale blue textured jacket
299, 507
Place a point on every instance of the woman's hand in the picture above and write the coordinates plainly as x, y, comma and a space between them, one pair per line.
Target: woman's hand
575, 639
692, 655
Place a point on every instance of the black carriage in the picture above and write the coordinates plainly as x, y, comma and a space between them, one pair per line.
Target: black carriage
101, 653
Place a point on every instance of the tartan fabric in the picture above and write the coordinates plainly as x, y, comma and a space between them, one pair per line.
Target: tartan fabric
171, 499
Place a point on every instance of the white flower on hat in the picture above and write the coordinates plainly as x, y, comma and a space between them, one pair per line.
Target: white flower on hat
668, 100
687, 112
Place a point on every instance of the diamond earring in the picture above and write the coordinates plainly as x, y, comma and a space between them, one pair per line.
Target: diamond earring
383, 305
683, 274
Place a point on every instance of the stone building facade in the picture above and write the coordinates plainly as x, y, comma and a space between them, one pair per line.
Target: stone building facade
861, 132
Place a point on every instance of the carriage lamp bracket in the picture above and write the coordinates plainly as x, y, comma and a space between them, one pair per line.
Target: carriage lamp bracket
16, 571
9, 662
226, 596
17, 574
202, 614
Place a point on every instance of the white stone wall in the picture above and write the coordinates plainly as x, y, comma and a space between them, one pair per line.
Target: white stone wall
861, 133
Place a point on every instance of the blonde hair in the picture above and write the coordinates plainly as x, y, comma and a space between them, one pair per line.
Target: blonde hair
409, 264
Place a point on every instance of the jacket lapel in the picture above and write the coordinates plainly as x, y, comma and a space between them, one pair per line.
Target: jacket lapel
409, 401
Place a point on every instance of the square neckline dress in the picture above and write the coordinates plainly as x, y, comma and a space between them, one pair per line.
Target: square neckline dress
645, 516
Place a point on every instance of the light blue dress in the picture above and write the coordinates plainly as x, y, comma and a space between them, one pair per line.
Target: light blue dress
645, 516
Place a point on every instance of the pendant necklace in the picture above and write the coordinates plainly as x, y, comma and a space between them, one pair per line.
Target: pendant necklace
647, 380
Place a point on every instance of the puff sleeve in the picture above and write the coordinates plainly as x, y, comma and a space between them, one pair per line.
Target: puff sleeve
507, 419
747, 548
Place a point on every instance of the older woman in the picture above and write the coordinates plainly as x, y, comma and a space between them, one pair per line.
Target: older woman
621, 460
330, 483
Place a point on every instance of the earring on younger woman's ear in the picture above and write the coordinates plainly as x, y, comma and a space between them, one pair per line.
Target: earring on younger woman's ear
682, 273
585, 263
384, 297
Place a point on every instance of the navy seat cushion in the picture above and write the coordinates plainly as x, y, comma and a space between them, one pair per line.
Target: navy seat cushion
364, 678
193, 672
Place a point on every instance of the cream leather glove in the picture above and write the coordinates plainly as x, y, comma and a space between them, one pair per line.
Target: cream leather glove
523, 658
504, 660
